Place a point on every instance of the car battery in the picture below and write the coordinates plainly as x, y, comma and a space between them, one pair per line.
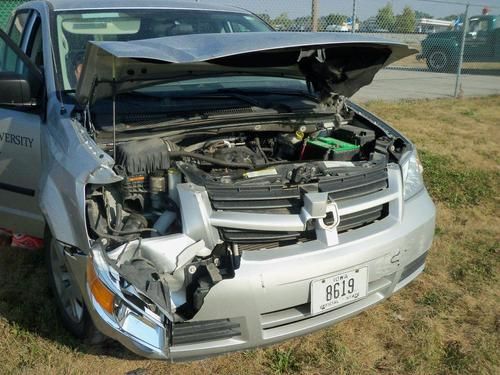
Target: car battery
355, 135
327, 148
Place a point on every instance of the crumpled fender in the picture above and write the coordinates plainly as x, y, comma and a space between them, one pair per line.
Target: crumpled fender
64, 220
62, 187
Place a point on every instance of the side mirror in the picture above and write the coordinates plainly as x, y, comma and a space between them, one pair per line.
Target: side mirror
16, 90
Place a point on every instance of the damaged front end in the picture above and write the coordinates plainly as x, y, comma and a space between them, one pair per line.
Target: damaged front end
188, 206
184, 205
121, 311
155, 273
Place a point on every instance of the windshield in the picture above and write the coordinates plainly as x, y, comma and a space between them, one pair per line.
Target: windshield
205, 97
75, 29
218, 83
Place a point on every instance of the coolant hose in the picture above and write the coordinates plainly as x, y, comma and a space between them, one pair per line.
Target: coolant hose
222, 163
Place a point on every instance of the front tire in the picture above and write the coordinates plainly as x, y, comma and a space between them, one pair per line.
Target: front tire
69, 300
440, 61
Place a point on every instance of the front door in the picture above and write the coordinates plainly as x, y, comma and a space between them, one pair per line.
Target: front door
20, 145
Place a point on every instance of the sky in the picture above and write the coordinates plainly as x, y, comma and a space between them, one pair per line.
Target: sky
365, 8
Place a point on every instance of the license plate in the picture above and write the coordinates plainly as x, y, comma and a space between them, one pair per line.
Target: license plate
332, 292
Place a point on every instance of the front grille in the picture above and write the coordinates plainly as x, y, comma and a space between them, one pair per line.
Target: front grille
277, 199
254, 236
209, 330
355, 186
361, 218
256, 240
289, 200
265, 199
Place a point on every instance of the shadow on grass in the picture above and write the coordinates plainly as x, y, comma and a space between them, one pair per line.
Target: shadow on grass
26, 302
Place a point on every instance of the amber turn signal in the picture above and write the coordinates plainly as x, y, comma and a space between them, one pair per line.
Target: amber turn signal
101, 294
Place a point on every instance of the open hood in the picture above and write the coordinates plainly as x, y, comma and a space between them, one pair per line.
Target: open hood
333, 63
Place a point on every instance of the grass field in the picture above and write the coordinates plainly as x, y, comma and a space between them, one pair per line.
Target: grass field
445, 322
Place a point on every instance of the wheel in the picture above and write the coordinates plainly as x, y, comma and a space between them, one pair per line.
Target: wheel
69, 300
440, 61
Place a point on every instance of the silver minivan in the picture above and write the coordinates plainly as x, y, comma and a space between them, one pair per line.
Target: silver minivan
203, 183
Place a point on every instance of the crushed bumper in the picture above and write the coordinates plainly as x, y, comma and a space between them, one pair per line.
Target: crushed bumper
269, 298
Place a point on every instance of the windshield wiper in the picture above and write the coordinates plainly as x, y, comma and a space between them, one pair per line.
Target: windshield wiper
248, 96
185, 123
218, 95
298, 93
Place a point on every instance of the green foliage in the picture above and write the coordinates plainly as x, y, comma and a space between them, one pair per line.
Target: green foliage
456, 186
340, 357
305, 20
333, 19
478, 268
282, 21
282, 361
469, 113
454, 359
438, 300
265, 17
406, 21
453, 17
419, 14
402, 23
385, 17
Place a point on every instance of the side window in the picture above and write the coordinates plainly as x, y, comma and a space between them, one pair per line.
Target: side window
10, 61
238, 27
34, 48
483, 25
14, 63
478, 25
17, 26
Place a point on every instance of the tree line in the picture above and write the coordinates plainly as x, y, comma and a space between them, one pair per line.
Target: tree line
386, 19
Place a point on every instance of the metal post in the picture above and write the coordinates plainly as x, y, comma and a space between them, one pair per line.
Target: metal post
353, 19
314, 14
462, 46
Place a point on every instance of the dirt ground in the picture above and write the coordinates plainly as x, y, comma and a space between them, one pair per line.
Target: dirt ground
445, 322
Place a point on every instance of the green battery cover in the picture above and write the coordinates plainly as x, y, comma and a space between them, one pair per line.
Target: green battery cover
332, 144
327, 148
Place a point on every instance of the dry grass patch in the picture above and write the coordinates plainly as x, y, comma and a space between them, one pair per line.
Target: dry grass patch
446, 322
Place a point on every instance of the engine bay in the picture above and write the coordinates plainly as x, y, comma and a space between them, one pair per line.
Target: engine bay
146, 204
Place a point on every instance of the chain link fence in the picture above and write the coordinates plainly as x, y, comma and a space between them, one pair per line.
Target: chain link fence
446, 33
6, 7
450, 36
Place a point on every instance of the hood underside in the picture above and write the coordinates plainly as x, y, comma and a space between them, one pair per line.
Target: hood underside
333, 63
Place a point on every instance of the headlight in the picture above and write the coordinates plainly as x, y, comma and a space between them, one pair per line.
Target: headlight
138, 322
412, 175
99, 291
